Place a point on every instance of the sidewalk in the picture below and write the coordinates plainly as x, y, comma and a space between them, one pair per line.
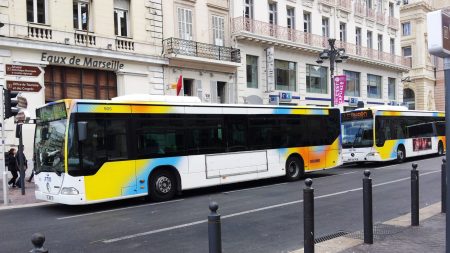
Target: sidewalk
395, 235
15, 196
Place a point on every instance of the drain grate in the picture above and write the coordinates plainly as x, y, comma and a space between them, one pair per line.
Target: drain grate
330, 236
380, 231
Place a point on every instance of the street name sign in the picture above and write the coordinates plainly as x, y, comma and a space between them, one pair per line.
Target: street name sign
24, 86
22, 70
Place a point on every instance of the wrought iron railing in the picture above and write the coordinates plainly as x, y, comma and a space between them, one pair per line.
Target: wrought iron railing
243, 26
198, 49
393, 23
344, 5
381, 19
360, 10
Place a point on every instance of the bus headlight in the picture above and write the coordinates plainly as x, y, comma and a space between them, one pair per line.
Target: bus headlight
69, 191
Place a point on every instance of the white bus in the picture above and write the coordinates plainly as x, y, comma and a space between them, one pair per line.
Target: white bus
386, 133
90, 151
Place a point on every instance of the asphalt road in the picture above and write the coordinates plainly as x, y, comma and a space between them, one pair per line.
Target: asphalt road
261, 216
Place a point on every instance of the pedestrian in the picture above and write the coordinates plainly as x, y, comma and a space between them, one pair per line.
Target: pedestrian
17, 161
32, 171
12, 167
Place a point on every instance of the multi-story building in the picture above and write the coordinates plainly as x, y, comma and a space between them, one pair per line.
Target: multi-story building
419, 85
198, 45
83, 49
280, 42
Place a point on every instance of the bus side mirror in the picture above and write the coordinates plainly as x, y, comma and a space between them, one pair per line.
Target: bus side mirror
82, 130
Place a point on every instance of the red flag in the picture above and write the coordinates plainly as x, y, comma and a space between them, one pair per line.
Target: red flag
179, 84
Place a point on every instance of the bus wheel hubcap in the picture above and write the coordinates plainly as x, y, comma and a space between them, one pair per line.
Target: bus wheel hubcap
163, 185
293, 169
400, 154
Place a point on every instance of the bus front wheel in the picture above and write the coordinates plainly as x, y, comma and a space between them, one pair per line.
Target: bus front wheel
162, 185
401, 154
294, 168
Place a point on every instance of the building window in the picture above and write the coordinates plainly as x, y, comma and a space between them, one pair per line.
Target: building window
358, 36
307, 22
407, 53
373, 86
272, 13
380, 6
380, 42
185, 24
369, 40
65, 82
80, 15
218, 24
343, 32
325, 27
316, 79
392, 46
391, 9
248, 9
285, 75
37, 11
252, 71
406, 29
369, 4
353, 83
121, 13
391, 88
290, 17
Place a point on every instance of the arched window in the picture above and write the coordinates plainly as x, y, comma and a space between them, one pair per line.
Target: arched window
409, 98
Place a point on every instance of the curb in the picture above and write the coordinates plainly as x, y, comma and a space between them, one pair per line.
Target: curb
343, 243
11, 206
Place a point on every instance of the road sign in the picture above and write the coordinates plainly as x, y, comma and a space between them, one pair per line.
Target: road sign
22, 70
438, 23
24, 86
22, 102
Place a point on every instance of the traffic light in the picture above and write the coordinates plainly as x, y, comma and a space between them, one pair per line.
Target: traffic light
10, 103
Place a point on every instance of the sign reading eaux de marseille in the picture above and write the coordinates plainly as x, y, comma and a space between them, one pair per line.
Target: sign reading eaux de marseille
88, 62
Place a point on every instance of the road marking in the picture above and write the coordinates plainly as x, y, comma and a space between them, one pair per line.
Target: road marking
250, 211
259, 187
346, 173
118, 209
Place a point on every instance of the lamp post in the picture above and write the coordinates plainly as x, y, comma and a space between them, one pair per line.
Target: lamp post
336, 55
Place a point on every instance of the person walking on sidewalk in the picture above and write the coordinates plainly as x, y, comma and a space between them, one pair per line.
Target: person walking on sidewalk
17, 159
12, 167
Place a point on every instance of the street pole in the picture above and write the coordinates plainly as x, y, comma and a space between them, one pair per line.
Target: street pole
2, 163
447, 145
332, 60
21, 160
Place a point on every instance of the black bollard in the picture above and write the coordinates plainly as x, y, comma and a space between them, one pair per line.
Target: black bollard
367, 208
414, 195
308, 216
443, 186
38, 239
214, 230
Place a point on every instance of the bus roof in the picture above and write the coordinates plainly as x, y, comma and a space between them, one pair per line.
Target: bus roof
393, 108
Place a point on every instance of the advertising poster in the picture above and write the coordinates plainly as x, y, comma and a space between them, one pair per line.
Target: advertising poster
420, 144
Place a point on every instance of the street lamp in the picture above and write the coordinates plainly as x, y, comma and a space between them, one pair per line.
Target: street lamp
336, 55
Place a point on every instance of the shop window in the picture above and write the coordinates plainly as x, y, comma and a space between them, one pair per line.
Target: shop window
353, 83
373, 86
252, 71
285, 75
316, 79
64, 82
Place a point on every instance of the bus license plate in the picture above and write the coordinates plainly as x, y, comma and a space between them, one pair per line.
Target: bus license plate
49, 197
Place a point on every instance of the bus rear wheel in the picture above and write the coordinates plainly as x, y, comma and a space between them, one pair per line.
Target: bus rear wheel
294, 168
162, 186
401, 154
440, 149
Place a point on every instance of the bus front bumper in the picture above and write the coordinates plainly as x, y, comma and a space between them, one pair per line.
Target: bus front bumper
78, 199
354, 157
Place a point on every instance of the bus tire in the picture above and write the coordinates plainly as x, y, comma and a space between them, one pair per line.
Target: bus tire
162, 185
294, 168
440, 149
401, 154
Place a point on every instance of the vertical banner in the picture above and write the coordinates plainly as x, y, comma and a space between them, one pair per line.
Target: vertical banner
179, 84
339, 89
270, 72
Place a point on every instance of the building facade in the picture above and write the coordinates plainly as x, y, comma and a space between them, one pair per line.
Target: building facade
280, 42
198, 45
83, 49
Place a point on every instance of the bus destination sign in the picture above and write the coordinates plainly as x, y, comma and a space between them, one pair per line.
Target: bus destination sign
357, 115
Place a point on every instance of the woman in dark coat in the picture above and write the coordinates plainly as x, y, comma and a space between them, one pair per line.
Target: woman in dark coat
12, 167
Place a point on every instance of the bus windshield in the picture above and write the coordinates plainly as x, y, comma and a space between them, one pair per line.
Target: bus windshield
49, 139
357, 133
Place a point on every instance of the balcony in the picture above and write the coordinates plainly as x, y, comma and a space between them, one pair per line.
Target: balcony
40, 32
328, 2
84, 38
381, 19
393, 23
370, 14
257, 31
174, 46
345, 5
360, 10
